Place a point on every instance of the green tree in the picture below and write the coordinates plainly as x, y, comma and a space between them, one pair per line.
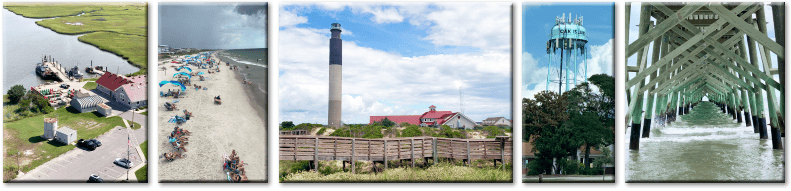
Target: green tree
543, 127
15, 93
589, 131
606, 158
387, 122
286, 125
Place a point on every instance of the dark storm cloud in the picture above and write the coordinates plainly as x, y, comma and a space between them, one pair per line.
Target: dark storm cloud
249, 9
212, 25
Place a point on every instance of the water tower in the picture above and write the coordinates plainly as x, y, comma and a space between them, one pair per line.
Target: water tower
566, 49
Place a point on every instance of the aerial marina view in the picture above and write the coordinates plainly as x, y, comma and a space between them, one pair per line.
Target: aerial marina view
76, 96
212, 94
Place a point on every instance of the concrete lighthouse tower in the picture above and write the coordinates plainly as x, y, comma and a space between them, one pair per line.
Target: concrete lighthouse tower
336, 43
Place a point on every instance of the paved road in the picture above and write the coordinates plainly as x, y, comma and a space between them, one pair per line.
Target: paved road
571, 178
78, 164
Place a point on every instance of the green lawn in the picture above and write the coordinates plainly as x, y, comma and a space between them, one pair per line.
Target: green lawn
135, 125
26, 133
89, 86
142, 174
145, 113
144, 147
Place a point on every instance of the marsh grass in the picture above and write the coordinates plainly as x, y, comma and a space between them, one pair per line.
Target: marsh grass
443, 172
119, 28
331, 171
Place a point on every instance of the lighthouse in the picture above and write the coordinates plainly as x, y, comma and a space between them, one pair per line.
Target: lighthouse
336, 77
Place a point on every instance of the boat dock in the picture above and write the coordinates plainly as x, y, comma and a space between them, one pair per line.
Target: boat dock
58, 70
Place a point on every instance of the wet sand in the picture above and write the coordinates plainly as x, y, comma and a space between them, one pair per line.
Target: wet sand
238, 123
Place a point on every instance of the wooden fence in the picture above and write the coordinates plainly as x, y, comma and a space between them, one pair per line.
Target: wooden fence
317, 148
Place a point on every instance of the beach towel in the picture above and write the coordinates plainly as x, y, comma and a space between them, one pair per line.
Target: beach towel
175, 101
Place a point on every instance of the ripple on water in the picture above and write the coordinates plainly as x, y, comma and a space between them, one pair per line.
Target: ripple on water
705, 145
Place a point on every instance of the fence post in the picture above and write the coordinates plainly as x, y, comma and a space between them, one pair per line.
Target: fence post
469, 162
434, 149
316, 155
412, 153
384, 160
353, 155
502, 152
296, 142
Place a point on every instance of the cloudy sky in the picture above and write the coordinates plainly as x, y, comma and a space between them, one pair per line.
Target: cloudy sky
213, 25
398, 59
538, 20
634, 34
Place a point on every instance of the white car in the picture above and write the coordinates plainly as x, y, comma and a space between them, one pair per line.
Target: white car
123, 163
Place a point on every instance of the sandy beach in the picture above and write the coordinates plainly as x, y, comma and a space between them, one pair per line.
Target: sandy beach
238, 123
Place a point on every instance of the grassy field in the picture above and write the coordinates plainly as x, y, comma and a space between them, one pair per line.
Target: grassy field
120, 28
89, 86
443, 172
25, 135
142, 174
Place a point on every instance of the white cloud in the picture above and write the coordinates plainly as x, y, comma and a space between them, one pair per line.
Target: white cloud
489, 31
449, 24
534, 78
288, 18
377, 82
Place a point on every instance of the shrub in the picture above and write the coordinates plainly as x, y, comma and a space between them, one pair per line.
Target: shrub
493, 131
15, 93
321, 131
412, 131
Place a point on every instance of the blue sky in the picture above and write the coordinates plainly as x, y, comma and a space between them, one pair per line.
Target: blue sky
398, 59
395, 37
538, 19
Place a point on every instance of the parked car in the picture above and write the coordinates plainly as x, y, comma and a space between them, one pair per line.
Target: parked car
90, 144
95, 179
65, 86
123, 162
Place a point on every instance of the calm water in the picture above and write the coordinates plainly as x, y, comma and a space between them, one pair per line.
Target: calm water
24, 43
705, 145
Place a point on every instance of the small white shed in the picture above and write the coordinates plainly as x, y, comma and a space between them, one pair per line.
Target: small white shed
66, 135
104, 109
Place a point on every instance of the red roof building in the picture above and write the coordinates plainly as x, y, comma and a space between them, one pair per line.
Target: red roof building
129, 91
431, 118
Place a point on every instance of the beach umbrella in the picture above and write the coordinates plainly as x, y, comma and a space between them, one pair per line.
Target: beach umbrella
183, 88
188, 69
182, 73
200, 73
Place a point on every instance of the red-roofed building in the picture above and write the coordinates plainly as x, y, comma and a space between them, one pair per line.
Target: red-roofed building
431, 118
129, 91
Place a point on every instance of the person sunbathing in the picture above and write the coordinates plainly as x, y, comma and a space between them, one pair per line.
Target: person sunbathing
173, 155
177, 145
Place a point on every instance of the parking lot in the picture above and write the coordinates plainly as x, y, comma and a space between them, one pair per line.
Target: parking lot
78, 164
